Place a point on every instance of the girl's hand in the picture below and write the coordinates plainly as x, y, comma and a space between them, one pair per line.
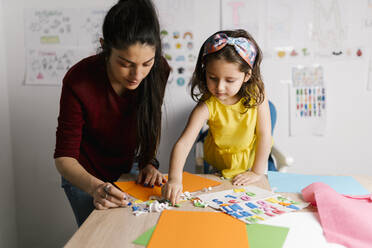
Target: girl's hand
172, 191
107, 196
150, 176
246, 178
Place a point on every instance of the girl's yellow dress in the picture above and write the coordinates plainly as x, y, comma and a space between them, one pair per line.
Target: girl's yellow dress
230, 145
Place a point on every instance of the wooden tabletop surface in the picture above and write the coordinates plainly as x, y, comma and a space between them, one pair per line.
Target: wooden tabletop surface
119, 227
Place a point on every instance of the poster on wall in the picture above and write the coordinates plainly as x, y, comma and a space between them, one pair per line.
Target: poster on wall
178, 35
90, 28
308, 105
47, 66
50, 27
55, 39
241, 14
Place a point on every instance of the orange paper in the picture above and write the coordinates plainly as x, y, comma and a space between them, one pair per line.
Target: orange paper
185, 229
190, 183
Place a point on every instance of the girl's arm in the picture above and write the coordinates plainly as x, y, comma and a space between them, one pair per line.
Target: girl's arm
263, 146
181, 149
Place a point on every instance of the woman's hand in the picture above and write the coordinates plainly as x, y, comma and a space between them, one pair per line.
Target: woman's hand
150, 176
246, 178
107, 196
172, 191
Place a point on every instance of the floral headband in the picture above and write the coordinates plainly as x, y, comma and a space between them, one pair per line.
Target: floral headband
244, 47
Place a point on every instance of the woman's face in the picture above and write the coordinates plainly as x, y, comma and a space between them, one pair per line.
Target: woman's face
128, 67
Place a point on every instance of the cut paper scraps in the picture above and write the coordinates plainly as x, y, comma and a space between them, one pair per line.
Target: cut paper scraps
191, 183
184, 229
251, 204
259, 236
345, 219
294, 183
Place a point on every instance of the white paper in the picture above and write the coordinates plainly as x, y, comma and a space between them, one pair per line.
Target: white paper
305, 230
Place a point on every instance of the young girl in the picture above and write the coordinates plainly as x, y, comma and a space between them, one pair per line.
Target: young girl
230, 93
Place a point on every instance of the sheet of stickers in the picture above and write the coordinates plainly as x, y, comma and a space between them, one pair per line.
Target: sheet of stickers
251, 204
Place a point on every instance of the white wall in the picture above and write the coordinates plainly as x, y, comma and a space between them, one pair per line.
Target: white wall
43, 213
8, 231
345, 147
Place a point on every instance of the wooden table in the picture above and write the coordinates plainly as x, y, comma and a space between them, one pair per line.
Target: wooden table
119, 227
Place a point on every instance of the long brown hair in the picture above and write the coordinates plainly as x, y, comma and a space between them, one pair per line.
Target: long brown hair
251, 90
127, 23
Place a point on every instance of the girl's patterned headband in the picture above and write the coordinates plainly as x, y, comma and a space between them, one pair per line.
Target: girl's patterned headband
244, 47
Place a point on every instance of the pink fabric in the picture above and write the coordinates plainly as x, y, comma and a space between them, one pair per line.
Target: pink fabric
346, 220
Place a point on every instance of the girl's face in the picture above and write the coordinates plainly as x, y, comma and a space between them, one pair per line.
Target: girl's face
128, 67
224, 80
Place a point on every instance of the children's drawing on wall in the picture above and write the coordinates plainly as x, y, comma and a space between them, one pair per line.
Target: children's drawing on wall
176, 13
178, 39
48, 66
179, 50
279, 27
307, 101
53, 26
90, 29
241, 14
329, 28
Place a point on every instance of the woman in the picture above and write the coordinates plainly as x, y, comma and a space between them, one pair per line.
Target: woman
110, 111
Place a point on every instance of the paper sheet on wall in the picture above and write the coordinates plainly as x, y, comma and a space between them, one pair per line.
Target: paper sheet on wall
241, 14
50, 27
307, 101
334, 31
56, 39
46, 66
90, 23
178, 38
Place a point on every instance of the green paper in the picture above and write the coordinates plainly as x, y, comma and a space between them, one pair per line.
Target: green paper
145, 237
260, 235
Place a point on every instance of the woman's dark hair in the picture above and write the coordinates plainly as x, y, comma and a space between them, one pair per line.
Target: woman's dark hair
127, 23
251, 90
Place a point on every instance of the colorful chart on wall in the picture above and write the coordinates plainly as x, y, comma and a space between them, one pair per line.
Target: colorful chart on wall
308, 101
178, 35
251, 204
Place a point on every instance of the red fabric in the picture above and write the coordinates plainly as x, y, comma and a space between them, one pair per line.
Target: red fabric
95, 125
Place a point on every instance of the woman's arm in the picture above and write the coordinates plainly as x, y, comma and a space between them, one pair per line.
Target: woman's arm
181, 149
104, 194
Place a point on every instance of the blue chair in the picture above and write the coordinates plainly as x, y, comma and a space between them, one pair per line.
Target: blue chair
277, 159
